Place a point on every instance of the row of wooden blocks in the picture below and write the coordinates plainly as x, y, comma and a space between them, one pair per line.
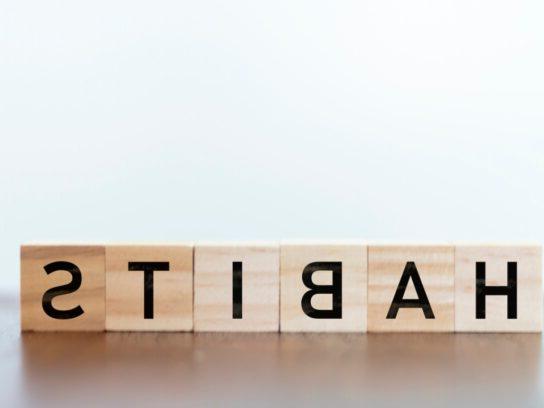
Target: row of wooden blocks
287, 287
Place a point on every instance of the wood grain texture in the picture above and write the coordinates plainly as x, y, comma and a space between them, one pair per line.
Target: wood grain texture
496, 258
35, 282
295, 257
214, 287
172, 289
435, 266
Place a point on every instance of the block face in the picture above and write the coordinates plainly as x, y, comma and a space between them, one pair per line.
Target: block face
171, 306
215, 296
435, 267
295, 258
528, 267
35, 282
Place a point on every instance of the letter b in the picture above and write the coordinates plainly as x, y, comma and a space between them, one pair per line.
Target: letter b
335, 289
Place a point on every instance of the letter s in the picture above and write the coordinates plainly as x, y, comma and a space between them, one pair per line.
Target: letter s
71, 287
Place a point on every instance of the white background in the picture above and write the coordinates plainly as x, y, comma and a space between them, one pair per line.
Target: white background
167, 121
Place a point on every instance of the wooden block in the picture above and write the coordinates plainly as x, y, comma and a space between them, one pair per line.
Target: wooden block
306, 270
518, 267
149, 287
411, 288
236, 287
62, 288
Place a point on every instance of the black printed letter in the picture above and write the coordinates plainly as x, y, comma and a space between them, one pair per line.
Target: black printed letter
410, 271
509, 290
148, 268
335, 290
237, 290
71, 287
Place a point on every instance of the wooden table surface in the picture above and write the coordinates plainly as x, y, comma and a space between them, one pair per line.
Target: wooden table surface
266, 369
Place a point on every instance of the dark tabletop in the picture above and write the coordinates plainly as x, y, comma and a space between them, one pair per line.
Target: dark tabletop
267, 369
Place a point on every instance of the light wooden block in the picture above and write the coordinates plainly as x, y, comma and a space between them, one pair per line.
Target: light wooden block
434, 265
215, 306
528, 267
295, 258
83, 309
171, 286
